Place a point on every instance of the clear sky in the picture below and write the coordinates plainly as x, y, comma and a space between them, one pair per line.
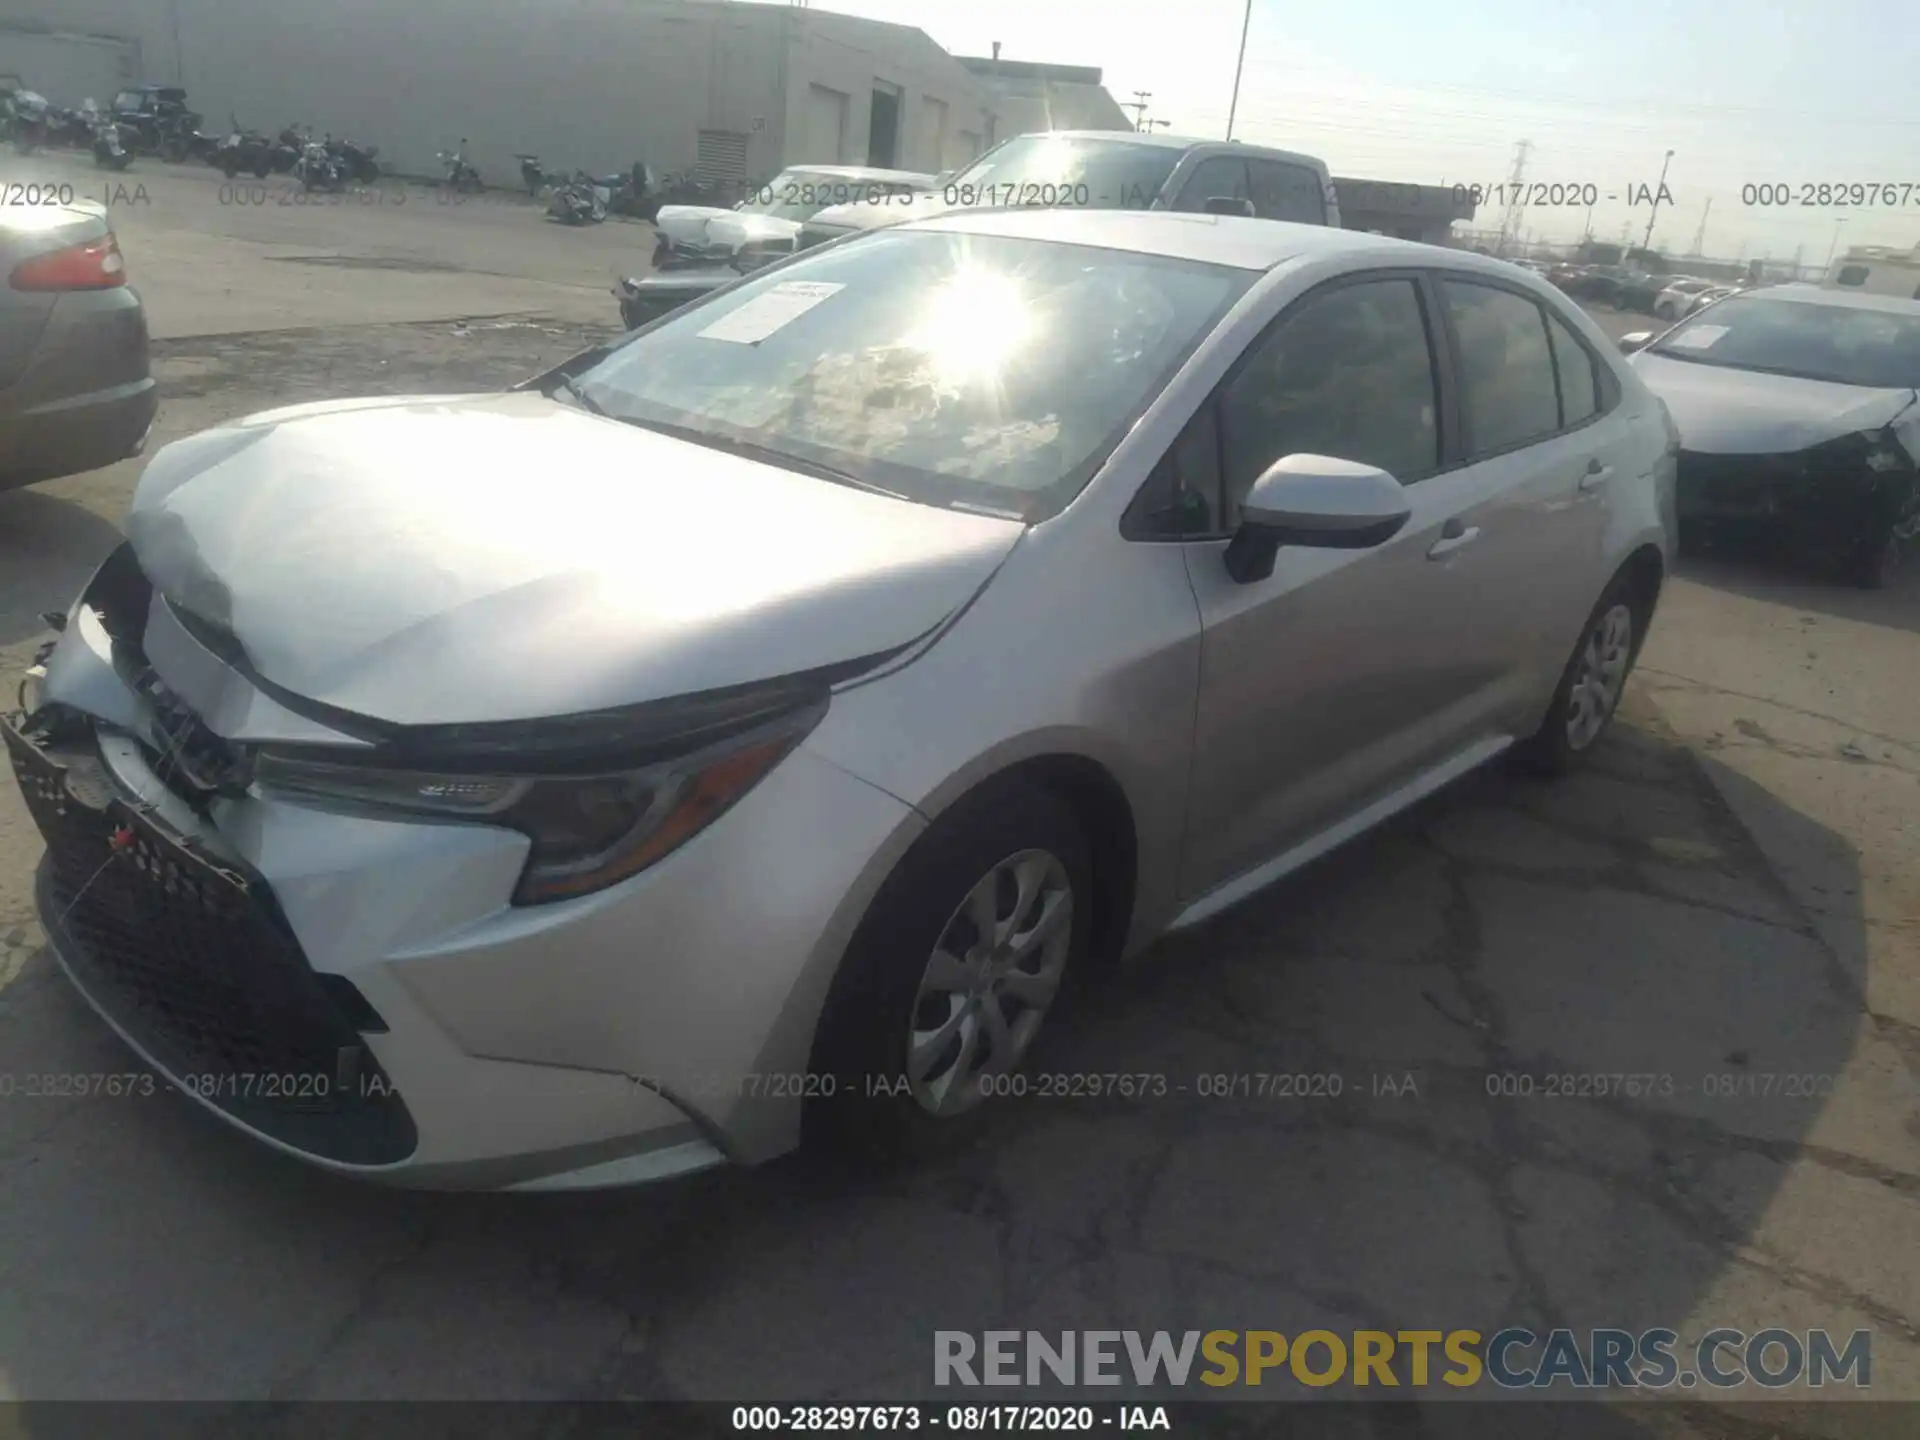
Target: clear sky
1743, 92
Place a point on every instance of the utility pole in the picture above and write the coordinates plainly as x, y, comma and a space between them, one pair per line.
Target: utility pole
1139, 107
1645, 244
1510, 222
1836, 240
1233, 105
1700, 235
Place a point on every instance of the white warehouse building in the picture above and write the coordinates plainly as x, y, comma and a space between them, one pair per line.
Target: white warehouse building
729, 90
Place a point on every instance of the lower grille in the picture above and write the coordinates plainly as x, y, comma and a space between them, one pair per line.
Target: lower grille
189, 956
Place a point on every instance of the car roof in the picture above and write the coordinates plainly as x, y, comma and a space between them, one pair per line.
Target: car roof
861, 172
1801, 293
1232, 240
1162, 141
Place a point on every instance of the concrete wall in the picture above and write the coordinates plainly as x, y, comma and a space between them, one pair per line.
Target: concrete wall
69, 68
851, 57
591, 83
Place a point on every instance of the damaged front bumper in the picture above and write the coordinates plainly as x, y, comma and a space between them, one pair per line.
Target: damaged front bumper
359, 991
1829, 498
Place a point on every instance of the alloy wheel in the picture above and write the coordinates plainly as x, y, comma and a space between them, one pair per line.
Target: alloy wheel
993, 973
1600, 677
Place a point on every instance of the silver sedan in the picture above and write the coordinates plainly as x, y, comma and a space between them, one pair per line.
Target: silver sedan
746, 731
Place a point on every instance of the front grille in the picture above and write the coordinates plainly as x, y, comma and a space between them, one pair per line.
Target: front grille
190, 956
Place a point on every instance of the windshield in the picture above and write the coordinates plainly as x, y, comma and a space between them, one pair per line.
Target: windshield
950, 369
1816, 342
800, 195
1097, 174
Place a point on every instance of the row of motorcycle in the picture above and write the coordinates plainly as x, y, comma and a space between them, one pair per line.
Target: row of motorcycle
154, 120
29, 122
575, 197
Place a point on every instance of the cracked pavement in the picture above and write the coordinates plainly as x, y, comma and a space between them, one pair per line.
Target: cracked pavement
1728, 894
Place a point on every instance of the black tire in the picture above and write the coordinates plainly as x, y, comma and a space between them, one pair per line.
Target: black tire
262, 169
1553, 749
229, 166
862, 1038
1881, 557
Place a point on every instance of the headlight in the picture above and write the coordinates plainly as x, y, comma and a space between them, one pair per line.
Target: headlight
587, 831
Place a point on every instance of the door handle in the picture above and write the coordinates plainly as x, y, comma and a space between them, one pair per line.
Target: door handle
1596, 476
1454, 535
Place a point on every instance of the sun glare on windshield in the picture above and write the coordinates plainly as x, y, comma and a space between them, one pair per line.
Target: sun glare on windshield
972, 326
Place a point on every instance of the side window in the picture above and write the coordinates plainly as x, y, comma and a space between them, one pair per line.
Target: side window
1349, 373
1579, 397
1506, 369
1851, 275
1182, 495
1217, 175
1287, 192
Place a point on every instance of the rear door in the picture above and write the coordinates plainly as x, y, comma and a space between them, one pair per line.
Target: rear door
1284, 191
1541, 439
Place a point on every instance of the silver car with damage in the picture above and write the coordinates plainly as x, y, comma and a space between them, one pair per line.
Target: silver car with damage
745, 731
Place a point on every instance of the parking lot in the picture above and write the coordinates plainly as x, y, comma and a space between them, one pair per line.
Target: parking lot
1729, 898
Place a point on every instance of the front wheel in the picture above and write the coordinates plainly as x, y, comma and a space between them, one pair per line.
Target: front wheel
1591, 685
947, 981
1881, 556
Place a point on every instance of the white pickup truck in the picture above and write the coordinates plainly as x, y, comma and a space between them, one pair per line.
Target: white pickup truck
1055, 169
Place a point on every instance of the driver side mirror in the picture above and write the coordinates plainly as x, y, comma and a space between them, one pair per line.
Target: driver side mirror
1228, 205
1638, 340
1317, 501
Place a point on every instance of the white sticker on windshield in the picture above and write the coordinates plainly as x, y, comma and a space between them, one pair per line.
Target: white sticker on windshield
1697, 338
765, 314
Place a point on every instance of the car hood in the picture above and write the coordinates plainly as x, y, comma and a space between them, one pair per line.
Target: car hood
731, 230
450, 559
686, 223
858, 215
1721, 411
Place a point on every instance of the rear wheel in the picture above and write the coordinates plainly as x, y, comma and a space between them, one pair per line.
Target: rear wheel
948, 980
1591, 685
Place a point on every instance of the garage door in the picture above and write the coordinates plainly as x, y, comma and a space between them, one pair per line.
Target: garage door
931, 143
826, 125
70, 68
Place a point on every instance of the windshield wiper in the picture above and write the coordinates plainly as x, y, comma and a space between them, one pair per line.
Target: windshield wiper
750, 450
587, 402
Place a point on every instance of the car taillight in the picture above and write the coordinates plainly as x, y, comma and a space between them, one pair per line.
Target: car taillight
95, 265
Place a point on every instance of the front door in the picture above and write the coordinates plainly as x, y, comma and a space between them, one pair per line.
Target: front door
1346, 672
